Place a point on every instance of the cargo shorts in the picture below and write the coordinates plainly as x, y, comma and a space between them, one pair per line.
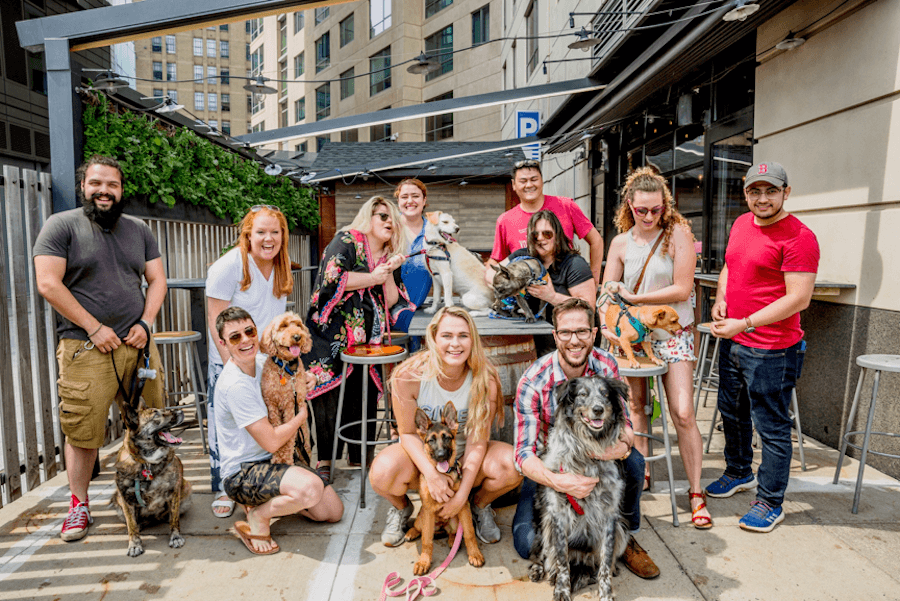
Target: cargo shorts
87, 387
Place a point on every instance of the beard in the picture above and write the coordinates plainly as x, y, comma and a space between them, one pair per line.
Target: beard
565, 358
105, 218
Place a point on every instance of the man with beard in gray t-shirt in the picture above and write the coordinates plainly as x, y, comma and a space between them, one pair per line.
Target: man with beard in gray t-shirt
89, 264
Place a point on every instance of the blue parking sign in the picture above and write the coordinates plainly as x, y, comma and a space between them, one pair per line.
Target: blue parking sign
527, 124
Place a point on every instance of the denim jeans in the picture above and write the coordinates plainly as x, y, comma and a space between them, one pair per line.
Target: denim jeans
212, 376
756, 384
523, 523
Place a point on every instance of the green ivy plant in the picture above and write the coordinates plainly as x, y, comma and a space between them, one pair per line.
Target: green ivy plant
170, 165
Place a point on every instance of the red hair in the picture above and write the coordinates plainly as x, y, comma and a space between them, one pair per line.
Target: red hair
283, 283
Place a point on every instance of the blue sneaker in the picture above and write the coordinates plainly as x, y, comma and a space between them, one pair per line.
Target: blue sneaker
727, 485
762, 517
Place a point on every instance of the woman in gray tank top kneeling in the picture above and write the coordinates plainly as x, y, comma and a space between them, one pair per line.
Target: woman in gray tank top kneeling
451, 367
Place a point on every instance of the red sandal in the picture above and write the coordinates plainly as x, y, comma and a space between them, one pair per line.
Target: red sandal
701, 522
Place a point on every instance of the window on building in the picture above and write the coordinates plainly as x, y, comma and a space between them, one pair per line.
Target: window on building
157, 70
282, 76
322, 14
226, 128
170, 44
223, 27
380, 133
156, 44
257, 103
211, 48
198, 101
247, 26
282, 36
439, 127
348, 83
157, 92
226, 77
198, 73
440, 46
481, 25
248, 51
350, 135
531, 44
302, 147
256, 28
299, 110
171, 74
323, 51
298, 21
226, 103
283, 114
223, 48
198, 46
256, 61
432, 7
212, 101
298, 65
320, 142
380, 71
213, 124
323, 101
211, 78
346, 28
379, 16
173, 94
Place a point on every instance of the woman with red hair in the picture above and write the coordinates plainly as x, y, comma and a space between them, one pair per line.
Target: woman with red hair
256, 276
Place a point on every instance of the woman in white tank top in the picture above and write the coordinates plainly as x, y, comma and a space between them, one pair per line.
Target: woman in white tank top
452, 367
646, 214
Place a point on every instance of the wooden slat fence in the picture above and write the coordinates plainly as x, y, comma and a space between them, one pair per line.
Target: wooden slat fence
30, 438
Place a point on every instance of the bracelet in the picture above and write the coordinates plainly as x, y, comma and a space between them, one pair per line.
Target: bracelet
95, 331
147, 325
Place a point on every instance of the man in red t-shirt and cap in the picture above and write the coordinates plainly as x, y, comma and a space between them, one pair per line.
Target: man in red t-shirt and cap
769, 275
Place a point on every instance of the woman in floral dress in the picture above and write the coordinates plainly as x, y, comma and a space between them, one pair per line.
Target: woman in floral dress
358, 290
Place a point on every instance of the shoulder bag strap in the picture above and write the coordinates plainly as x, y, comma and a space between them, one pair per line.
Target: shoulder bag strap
640, 279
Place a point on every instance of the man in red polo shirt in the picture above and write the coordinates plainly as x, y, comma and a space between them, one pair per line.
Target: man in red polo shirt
769, 275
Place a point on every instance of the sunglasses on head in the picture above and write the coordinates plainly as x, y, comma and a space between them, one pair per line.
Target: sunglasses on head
384, 216
235, 337
527, 163
642, 211
258, 208
541, 235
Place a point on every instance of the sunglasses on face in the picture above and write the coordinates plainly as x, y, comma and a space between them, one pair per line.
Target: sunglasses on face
642, 211
385, 217
258, 208
541, 235
235, 337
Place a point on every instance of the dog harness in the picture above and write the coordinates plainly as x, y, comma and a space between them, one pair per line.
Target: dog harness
640, 328
436, 246
148, 476
509, 303
287, 371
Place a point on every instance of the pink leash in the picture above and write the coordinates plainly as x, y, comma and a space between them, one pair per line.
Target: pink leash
422, 585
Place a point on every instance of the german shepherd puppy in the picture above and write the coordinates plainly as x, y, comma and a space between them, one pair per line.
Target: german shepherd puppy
440, 448
511, 281
149, 477
578, 540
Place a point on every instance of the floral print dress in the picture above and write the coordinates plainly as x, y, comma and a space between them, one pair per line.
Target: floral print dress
339, 318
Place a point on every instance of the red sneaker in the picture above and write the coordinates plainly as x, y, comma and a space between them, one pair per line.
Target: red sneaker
76, 524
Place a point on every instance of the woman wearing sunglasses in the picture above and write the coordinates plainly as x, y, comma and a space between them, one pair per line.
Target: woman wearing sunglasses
357, 291
656, 241
569, 273
255, 275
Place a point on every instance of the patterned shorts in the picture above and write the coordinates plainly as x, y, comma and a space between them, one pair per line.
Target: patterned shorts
257, 482
677, 348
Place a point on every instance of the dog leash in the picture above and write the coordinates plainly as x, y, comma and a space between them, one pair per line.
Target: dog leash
421, 585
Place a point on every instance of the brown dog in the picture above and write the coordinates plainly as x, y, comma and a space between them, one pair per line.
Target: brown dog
149, 476
440, 448
622, 322
284, 381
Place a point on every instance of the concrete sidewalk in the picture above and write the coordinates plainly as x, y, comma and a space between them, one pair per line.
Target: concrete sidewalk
820, 551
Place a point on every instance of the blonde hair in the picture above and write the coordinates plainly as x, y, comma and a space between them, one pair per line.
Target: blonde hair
648, 179
283, 283
363, 222
426, 364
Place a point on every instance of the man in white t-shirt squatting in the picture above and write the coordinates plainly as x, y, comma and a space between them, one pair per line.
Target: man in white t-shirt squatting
247, 441
511, 232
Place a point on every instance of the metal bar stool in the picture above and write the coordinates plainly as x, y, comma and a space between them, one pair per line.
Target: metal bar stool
198, 379
710, 381
879, 363
649, 370
364, 356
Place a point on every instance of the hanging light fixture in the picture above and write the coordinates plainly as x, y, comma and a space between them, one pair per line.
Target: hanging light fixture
273, 169
586, 40
168, 106
790, 42
423, 65
259, 86
742, 9
109, 82
464, 183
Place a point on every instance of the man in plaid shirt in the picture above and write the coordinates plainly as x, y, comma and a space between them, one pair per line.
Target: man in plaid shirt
575, 357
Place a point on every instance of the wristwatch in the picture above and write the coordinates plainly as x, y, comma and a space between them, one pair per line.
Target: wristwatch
750, 328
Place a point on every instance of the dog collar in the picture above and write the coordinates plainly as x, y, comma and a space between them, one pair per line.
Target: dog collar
285, 367
148, 476
576, 506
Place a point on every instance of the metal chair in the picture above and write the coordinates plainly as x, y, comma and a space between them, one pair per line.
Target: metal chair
706, 375
198, 378
650, 370
878, 363
362, 358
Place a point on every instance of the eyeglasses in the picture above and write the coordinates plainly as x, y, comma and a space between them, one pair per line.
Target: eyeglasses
235, 337
756, 193
258, 208
642, 211
528, 164
541, 235
384, 216
582, 334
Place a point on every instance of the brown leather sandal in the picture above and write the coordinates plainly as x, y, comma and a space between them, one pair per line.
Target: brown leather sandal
701, 522
242, 529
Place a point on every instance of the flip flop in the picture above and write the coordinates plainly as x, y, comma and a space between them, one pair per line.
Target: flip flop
242, 529
223, 501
